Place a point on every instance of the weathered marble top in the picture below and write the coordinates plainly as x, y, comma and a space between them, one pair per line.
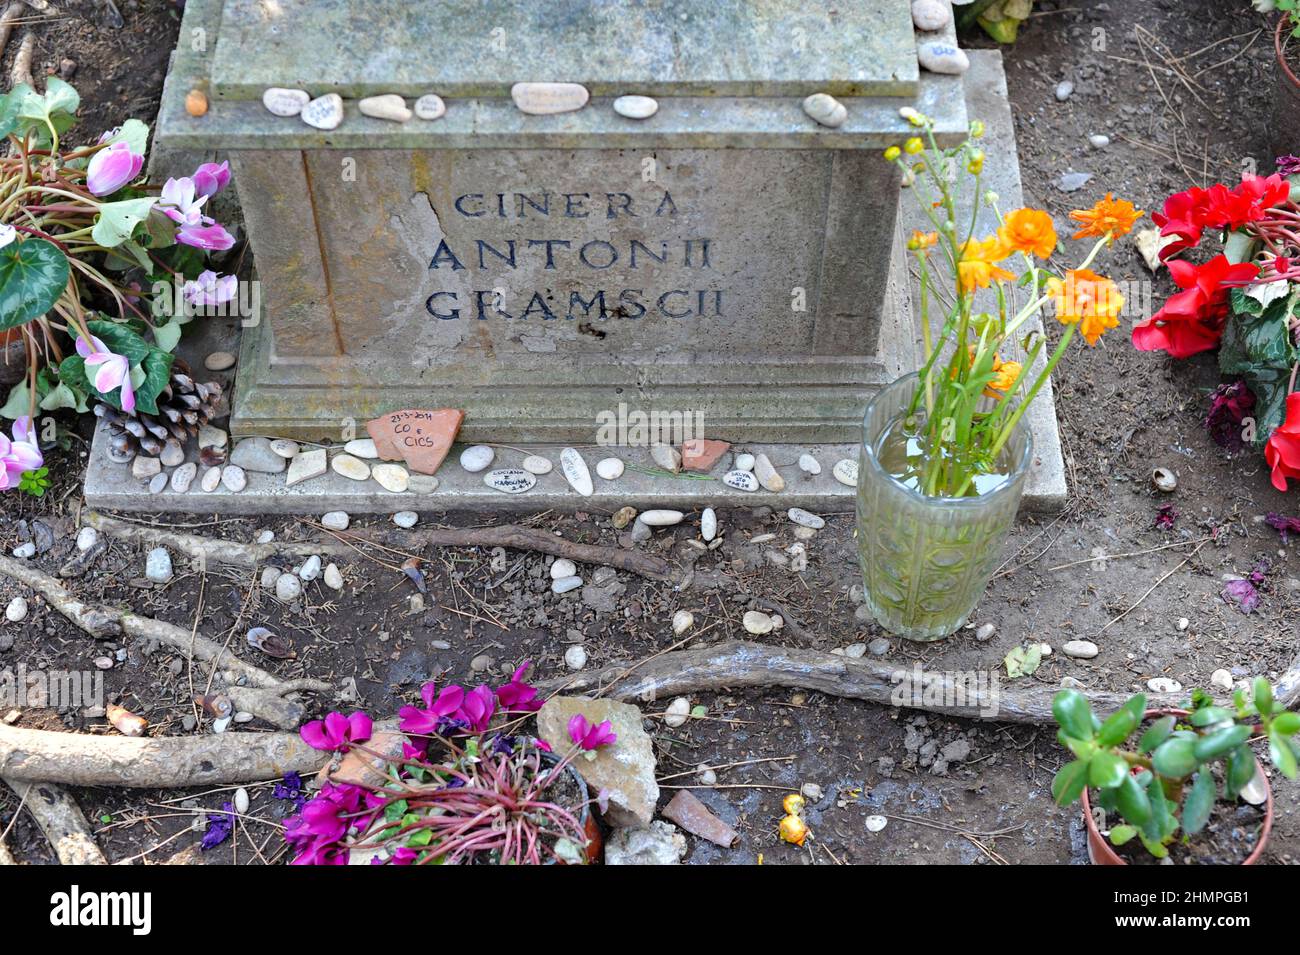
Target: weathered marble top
479, 48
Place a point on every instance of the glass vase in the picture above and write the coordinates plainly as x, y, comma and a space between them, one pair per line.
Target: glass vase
926, 561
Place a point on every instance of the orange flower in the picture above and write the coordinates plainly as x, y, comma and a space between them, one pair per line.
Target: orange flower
1030, 231
976, 268
1087, 299
920, 241
1110, 217
1005, 374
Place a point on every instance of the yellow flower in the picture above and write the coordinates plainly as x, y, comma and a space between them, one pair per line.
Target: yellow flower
1030, 231
1088, 299
913, 146
1110, 217
892, 153
976, 164
976, 128
977, 269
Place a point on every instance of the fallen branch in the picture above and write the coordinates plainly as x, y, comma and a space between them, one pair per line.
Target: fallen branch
527, 538
21, 71
12, 13
62, 821
264, 695
170, 762
739, 664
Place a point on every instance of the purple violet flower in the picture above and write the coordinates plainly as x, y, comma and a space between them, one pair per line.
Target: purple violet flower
220, 826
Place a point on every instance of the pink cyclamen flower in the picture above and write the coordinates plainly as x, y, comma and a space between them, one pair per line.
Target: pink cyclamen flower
425, 722
114, 370
209, 236
210, 289
480, 703
337, 732
518, 696
112, 168
180, 202
211, 178
19, 455
588, 736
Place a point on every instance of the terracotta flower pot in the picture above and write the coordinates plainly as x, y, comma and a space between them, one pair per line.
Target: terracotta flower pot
1286, 96
1101, 852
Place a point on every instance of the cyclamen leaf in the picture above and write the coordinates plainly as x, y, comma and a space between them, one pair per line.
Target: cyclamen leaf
33, 274
117, 220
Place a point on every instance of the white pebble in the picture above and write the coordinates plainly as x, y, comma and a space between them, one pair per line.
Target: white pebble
336, 520
985, 632
333, 577
708, 524
767, 474
87, 538
805, 518
1221, 679
16, 611
388, 106
476, 458
285, 102
683, 620
574, 467
310, 569
430, 106
287, 588
211, 478
285, 448
575, 658
158, 565
406, 518
636, 107
391, 477
1064, 90
241, 801
679, 710
610, 468
846, 472
1080, 649
740, 480
940, 56
661, 518
326, 112
930, 15
563, 568
757, 622
744, 462
667, 457
809, 464
362, 448
1163, 684
349, 467
1099, 141
536, 464
876, 823
565, 584
826, 110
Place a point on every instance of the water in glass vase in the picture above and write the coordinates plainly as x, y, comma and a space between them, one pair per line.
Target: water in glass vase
901, 452
926, 558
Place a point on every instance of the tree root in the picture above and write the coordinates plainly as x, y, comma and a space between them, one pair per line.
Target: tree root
738, 664
205, 549
168, 762
21, 70
262, 694
62, 821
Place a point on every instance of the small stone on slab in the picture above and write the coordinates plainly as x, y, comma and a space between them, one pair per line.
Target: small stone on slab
609, 469
430, 106
544, 99
767, 474
285, 102
636, 107
826, 110
391, 477
740, 480
307, 465
846, 472
476, 458
574, 467
387, 106
233, 478
939, 56
219, 361
362, 448
325, 112
536, 464
256, 454
510, 480
350, 467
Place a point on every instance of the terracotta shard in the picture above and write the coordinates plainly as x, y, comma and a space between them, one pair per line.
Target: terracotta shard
420, 438
695, 817
701, 454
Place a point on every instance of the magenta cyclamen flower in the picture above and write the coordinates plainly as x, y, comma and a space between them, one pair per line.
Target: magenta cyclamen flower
211, 178
588, 736
518, 696
210, 289
211, 236
113, 371
437, 710
112, 168
337, 732
480, 703
315, 832
19, 455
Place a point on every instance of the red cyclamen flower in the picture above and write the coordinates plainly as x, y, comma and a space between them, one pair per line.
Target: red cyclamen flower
1192, 320
1283, 449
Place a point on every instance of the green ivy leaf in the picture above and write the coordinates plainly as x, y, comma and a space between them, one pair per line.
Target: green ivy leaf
117, 220
157, 372
120, 340
33, 274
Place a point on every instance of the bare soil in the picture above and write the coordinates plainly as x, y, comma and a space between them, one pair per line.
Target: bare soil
1182, 88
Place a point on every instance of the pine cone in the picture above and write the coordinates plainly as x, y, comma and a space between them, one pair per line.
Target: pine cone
184, 406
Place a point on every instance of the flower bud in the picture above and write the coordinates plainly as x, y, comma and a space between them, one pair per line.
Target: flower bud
112, 168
